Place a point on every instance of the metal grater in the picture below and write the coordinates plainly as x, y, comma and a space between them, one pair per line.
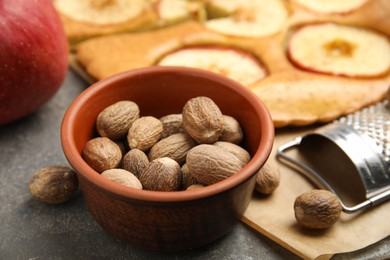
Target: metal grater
364, 137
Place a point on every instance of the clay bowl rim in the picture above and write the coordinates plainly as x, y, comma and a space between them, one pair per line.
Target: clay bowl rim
70, 150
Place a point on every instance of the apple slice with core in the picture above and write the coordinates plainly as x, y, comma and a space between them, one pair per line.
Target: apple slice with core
250, 18
101, 12
172, 11
332, 6
340, 50
231, 62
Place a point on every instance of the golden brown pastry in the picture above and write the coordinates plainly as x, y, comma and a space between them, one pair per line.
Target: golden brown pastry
295, 93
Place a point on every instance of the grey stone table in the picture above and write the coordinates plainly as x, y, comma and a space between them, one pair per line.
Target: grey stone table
32, 230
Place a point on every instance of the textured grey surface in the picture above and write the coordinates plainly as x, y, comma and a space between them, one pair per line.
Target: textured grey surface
33, 230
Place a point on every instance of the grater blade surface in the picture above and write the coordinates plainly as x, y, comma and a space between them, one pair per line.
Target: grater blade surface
374, 122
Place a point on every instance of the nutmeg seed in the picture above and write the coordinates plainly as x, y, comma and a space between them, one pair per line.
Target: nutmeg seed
144, 133
203, 120
115, 120
172, 124
135, 161
162, 174
195, 186
101, 154
188, 179
210, 164
267, 178
236, 150
232, 131
123, 177
174, 146
317, 209
53, 184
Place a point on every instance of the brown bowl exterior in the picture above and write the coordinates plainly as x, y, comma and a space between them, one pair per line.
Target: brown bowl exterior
167, 221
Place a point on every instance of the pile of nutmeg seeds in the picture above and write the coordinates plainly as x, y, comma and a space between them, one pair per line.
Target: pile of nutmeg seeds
196, 148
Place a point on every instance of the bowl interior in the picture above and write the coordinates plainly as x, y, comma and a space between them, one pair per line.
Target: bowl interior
159, 91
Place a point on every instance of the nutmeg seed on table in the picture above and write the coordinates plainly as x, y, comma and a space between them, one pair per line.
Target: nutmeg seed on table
317, 209
53, 184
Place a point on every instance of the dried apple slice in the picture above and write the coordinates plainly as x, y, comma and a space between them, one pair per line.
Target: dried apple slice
340, 50
332, 6
250, 18
231, 62
173, 11
101, 12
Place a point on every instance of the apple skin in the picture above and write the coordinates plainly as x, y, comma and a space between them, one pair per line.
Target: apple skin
33, 56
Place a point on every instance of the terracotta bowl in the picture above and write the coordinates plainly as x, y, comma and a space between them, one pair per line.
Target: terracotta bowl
167, 221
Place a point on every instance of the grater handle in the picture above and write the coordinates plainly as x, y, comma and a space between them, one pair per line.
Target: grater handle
317, 179
310, 173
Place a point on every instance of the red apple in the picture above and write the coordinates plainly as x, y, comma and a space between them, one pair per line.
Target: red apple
33, 56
